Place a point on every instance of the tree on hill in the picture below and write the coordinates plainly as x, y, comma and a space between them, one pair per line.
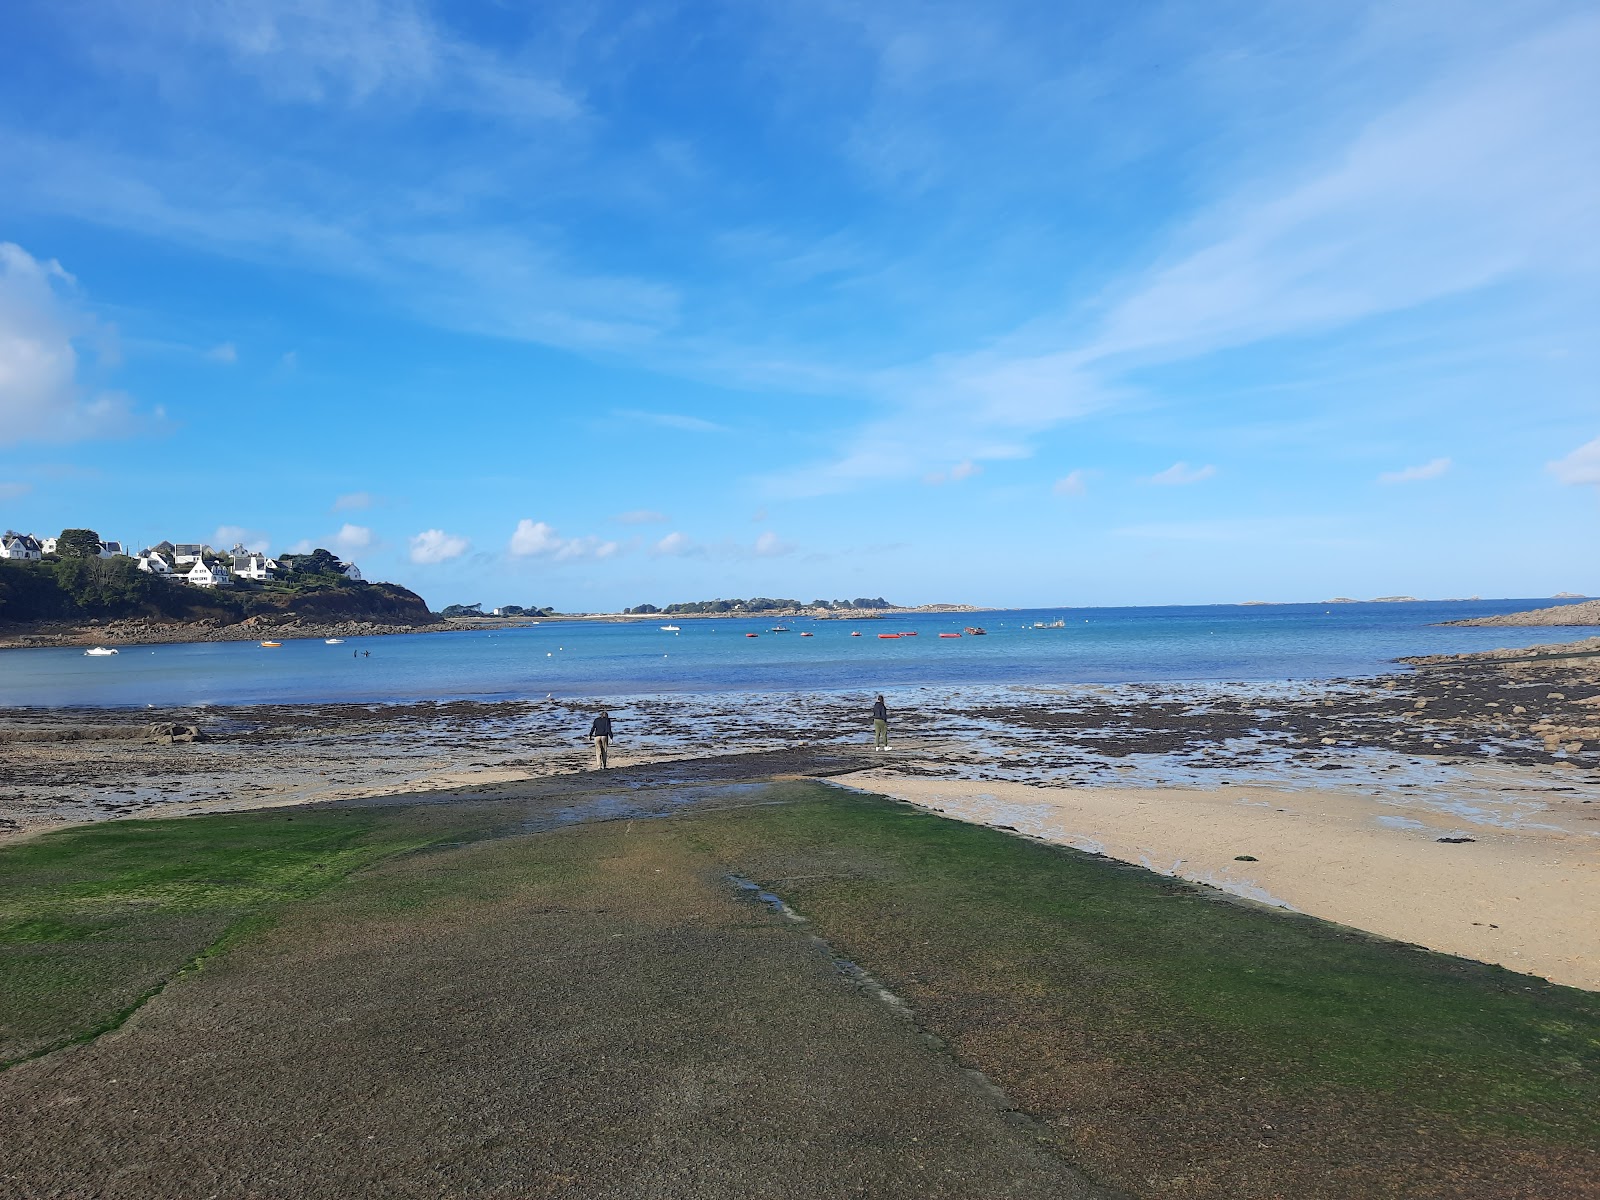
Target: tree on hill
78, 543
462, 610
318, 562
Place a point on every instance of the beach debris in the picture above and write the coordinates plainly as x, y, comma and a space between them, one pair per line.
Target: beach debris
1455, 840
1245, 858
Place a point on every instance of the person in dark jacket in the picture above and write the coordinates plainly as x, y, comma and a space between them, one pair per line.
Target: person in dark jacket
600, 731
880, 724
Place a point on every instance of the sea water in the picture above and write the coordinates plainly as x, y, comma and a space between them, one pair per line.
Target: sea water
592, 658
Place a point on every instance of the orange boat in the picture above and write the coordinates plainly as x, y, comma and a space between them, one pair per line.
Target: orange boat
888, 636
950, 635
273, 645
752, 635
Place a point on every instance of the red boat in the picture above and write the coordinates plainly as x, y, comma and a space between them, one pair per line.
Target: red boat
888, 636
976, 630
908, 633
950, 635
855, 633
752, 635
808, 635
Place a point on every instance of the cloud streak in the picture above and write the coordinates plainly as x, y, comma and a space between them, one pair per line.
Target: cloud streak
1432, 469
1180, 474
1580, 467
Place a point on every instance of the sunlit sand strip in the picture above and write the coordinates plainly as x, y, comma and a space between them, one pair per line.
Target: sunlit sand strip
1524, 893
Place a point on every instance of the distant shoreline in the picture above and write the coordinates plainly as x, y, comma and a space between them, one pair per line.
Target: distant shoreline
139, 632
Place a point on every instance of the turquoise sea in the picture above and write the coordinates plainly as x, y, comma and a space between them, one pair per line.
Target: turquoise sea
573, 658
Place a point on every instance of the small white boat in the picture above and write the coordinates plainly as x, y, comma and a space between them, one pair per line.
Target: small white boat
99, 652
669, 629
333, 641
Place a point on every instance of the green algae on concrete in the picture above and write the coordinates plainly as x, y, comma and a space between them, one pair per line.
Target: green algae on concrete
95, 919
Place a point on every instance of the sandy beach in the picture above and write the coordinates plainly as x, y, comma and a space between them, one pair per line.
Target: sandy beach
1522, 891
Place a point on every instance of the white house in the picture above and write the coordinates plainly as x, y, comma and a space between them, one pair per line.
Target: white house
351, 571
253, 566
48, 545
113, 550
154, 564
21, 546
208, 575
185, 553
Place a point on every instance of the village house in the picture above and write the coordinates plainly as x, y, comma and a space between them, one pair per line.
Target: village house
351, 571
153, 564
185, 553
253, 566
113, 550
208, 575
23, 547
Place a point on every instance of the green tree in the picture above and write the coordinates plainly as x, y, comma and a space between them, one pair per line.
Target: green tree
78, 543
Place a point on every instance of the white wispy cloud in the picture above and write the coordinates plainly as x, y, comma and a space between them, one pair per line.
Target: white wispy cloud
1073, 483
353, 502
683, 421
357, 53
14, 490
641, 516
1428, 470
1582, 466
1180, 474
770, 545
226, 353
676, 544
436, 546
963, 470
1478, 178
538, 539
43, 325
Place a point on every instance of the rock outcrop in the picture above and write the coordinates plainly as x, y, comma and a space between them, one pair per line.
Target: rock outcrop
1587, 613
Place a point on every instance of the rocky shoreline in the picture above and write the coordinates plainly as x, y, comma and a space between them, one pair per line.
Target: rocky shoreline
154, 633
1587, 613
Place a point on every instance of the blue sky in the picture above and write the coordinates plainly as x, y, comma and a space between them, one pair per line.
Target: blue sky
1021, 303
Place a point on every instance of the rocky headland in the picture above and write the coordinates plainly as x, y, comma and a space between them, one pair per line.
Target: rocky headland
1586, 613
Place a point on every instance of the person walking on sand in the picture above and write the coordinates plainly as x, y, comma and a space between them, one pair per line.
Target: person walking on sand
880, 724
600, 731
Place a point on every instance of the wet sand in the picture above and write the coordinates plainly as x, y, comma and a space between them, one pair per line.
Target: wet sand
1523, 891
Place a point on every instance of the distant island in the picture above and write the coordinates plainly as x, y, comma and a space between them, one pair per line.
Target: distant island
766, 606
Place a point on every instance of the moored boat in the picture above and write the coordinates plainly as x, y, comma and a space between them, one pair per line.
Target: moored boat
889, 637
333, 641
949, 635
976, 630
272, 645
669, 629
100, 652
